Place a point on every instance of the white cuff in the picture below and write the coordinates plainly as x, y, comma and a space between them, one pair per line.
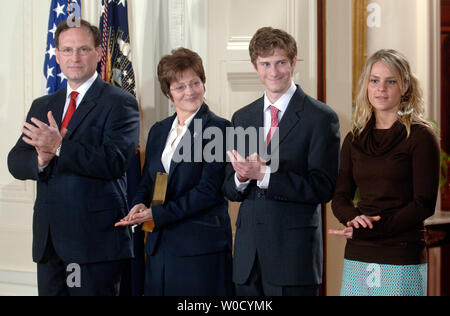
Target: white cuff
240, 186
264, 183
41, 169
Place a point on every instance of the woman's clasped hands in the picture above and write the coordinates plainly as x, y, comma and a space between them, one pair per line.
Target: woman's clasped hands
362, 221
138, 215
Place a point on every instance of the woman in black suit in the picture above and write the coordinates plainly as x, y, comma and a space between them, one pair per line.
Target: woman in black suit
189, 249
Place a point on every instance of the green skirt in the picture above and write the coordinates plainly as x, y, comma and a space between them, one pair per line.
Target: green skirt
371, 279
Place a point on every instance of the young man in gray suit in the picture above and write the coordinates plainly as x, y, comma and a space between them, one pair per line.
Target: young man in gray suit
278, 247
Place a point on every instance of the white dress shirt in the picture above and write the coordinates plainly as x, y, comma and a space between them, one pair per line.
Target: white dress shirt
82, 92
281, 104
175, 135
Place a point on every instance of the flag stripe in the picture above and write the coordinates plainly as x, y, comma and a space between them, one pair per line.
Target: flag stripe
116, 67
104, 28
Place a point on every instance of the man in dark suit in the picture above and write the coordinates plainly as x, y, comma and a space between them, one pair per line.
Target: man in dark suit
278, 247
76, 144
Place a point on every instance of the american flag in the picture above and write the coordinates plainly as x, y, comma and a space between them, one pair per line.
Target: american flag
59, 12
116, 67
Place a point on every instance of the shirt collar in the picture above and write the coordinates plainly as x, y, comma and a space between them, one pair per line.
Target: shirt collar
186, 124
283, 102
83, 88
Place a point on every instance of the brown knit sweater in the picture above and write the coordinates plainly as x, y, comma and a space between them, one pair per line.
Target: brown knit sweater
398, 180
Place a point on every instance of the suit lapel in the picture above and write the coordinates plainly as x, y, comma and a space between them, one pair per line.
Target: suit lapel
202, 115
164, 131
87, 104
56, 105
292, 117
256, 114
255, 120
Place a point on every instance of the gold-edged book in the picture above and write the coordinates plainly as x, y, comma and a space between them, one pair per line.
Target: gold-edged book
159, 196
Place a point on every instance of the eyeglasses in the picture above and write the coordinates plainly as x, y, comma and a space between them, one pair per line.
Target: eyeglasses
82, 51
182, 87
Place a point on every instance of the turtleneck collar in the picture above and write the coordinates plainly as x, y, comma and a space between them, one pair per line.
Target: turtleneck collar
376, 142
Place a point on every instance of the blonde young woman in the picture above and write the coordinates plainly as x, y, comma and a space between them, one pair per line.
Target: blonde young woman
392, 157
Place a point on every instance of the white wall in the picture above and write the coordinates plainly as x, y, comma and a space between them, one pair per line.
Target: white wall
156, 27
339, 96
232, 80
412, 27
23, 25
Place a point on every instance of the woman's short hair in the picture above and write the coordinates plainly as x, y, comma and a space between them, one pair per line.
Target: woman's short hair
63, 26
411, 109
171, 66
267, 39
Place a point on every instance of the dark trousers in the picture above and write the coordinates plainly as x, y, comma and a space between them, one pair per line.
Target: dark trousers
202, 275
257, 286
58, 278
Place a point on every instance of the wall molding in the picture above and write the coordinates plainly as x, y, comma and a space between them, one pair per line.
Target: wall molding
18, 192
239, 43
18, 283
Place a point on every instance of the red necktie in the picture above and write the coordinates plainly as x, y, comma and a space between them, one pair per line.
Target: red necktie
273, 125
70, 110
